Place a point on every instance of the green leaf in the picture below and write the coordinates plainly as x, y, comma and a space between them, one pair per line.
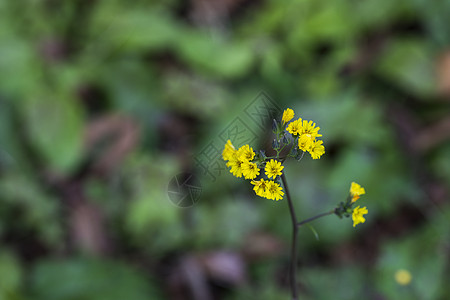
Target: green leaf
409, 64
10, 274
316, 235
55, 128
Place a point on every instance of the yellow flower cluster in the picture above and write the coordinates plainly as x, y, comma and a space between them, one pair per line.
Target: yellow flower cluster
357, 216
307, 133
244, 162
241, 163
347, 209
268, 189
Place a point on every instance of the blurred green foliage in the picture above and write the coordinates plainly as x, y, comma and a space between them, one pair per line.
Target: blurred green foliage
354, 67
85, 279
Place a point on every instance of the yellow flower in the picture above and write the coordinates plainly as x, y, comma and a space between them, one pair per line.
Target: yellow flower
260, 187
295, 127
355, 191
316, 149
309, 128
236, 166
274, 191
305, 142
403, 277
357, 215
273, 168
228, 151
288, 115
245, 153
249, 170
232, 159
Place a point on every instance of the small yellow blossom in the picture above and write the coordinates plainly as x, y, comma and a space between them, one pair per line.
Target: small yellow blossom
249, 170
309, 128
357, 215
228, 151
316, 149
305, 142
236, 166
273, 168
403, 277
260, 187
288, 115
295, 127
245, 153
274, 191
355, 191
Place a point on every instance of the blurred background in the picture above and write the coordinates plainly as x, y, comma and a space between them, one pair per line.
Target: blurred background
106, 106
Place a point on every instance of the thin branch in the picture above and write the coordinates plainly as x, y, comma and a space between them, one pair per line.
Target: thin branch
315, 217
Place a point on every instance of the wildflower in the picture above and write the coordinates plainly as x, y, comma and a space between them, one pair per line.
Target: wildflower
355, 191
245, 153
316, 149
273, 168
357, 215
236, 166
249, 170
305, 142
309, 128
260, 187
233, 157
295, 127
403, 277
274, 191
228, 151
288, 115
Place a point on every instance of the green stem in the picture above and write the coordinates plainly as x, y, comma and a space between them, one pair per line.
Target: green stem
293, 269
295, 226
315, 217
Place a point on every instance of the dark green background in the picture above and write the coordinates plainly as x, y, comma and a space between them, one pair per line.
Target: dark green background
103, 102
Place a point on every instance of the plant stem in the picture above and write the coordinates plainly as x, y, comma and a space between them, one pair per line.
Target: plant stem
315, 217
295, 226
293, 269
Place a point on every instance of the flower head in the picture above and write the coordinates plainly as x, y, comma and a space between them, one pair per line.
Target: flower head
260, 187
355, 191
316, 149
228, 151
274, 191
295, 127
357, 215
288, 114
305, 142
236, 166
273, 168
245, 153
309, 128
249, 170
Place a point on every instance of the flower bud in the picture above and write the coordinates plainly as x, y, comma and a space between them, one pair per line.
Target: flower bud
263, 154
275, 144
